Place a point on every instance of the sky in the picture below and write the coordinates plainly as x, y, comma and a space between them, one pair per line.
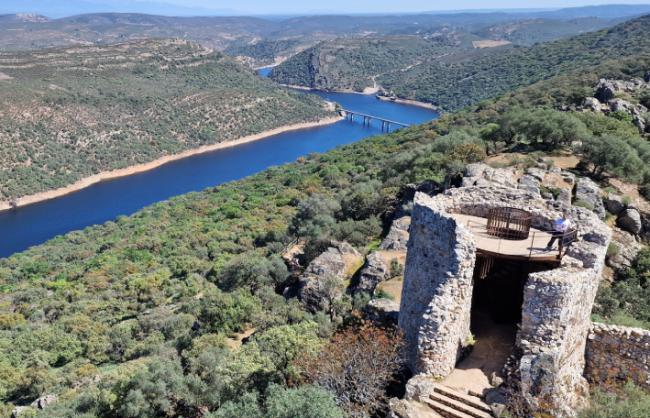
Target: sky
379, 6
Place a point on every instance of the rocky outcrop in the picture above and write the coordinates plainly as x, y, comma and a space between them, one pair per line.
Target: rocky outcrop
593, 104
617, 355
630, 220
605, 91
398, 236
323, 280
623, 250
384, 311
588, 195
606, 100
614, 203
480, 174
531, 184
373, 272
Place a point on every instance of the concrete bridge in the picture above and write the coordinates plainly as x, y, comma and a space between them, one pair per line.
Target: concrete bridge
366, 119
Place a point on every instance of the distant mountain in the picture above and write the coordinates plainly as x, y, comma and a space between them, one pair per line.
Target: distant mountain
456, 77
606, 11
62, 8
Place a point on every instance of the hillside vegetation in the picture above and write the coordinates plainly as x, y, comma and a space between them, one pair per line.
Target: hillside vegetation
67, 114
462, 77
355, 63
137, 317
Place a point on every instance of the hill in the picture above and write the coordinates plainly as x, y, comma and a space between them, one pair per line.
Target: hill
108, 105
356, 63
460, 80
462, 76
532, 31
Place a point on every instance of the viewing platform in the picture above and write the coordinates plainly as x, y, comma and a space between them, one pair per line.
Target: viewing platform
511, 237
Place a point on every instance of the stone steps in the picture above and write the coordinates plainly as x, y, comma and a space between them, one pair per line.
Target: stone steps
453, 404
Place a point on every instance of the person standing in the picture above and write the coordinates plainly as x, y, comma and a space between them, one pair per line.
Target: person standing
560, 227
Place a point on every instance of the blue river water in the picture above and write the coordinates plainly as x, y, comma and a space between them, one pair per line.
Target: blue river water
37, 223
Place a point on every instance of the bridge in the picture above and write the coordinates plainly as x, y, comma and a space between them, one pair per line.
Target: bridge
366, 119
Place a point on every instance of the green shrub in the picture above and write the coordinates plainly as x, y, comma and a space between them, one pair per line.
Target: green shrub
630, 402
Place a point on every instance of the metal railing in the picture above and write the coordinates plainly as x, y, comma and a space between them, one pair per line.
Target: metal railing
509, 223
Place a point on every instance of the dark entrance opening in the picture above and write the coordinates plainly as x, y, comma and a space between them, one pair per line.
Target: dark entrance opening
496, 310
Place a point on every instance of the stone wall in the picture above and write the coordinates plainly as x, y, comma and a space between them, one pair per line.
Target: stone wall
617, 354
437, 296
552, 336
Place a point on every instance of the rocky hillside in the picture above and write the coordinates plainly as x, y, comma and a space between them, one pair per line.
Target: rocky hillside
125, 104
455, 78
356, 63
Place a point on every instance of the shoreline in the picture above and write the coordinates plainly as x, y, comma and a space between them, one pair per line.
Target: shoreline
140, 168
409, 102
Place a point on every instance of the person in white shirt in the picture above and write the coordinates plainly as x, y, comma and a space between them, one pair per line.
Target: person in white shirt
560, 228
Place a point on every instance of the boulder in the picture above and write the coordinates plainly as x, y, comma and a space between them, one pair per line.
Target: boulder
473, 172
529, 183
537, 173
384, 311
623, 250
398, 235
588, 194
323, 280
506, 177
614, 203
640, 123
565, 197
645, 221
630, 220
374, 272
593, 104
18, 411
44, 401
605, 91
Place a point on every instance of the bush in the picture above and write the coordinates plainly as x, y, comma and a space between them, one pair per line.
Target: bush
613, 155
357, 366
627, 300
630, 402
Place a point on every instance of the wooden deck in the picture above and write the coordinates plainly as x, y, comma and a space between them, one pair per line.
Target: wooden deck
533, 248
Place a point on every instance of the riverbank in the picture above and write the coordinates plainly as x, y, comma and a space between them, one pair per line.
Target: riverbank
139, 168
410, 102
369, 91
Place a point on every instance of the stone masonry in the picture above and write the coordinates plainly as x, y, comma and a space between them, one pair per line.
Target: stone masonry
548, 364
617, 354
437, 296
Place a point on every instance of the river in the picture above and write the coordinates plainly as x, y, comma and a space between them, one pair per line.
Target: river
34, 224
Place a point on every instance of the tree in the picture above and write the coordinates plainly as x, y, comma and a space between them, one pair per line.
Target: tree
357, 366
540, 128
156, 391
315, 216
252, 272
281, 345
613, 155
302, 402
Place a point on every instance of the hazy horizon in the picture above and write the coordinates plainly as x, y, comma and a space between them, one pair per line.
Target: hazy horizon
58, 8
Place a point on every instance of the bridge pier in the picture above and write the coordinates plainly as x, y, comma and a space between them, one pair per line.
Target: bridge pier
367, 120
